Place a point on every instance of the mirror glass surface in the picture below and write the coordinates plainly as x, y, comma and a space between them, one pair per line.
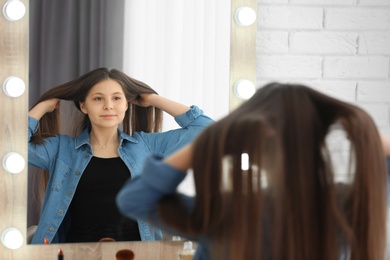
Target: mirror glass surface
15, 56
145, 40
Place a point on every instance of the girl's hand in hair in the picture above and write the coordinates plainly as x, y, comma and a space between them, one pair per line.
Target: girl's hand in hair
171, 107
52, 104
144, 100
44, 107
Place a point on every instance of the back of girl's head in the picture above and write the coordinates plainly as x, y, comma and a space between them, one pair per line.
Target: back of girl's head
266, 187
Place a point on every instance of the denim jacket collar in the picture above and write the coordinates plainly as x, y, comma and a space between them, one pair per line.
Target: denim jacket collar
83, 138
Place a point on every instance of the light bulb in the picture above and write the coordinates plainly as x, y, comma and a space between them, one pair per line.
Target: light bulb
13, 162
244, 161
245, 16
14, 86
14, 10
244, 89
12, 238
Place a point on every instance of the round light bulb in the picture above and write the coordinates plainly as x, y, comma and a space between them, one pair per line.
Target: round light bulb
14, 10
244, 89
13, 162
245, 16
12, 238
14, 86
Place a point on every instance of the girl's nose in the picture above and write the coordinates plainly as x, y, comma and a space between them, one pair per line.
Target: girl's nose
108, 105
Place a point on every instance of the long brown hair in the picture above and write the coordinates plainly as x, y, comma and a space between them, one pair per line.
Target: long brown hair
286, 204
147, 119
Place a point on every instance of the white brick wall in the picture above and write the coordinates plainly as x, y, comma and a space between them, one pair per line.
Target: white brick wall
340, 47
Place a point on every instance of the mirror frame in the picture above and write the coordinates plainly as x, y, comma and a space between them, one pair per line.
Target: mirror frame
13, 187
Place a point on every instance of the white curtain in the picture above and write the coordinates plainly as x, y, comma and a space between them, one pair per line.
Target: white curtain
181, 49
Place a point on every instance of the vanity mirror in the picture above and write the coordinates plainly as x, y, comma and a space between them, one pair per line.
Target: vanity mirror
13, 183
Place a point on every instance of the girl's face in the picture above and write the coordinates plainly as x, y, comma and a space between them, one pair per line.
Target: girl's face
105, 104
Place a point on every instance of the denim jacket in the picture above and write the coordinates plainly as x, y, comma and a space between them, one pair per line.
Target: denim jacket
67, 157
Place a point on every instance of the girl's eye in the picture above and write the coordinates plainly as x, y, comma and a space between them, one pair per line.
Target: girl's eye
117, 98
98, 98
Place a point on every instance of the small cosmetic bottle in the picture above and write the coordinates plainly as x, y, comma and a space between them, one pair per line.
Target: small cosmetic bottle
187, 252
60, 254
124, 254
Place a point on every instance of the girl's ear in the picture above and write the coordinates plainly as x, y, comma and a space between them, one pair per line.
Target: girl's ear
83, 108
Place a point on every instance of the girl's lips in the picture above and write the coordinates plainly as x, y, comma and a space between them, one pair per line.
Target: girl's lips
107, 116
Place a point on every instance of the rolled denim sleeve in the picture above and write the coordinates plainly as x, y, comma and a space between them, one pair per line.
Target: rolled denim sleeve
32, 126
192, 123
139, 197
194, 115
41, 155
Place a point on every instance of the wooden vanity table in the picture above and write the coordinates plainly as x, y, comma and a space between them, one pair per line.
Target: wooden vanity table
166, 250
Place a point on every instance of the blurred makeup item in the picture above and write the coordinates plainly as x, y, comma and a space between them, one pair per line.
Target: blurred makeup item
60, 254
107, 239
187, 252
125, 254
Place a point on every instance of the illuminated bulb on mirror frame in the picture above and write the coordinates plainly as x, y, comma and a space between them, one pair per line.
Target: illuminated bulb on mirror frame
12, 238
14, 10
244, 89
244, 161
14, 86
13, 162
245, 16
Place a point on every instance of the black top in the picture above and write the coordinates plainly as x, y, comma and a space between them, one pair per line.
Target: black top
93, 210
